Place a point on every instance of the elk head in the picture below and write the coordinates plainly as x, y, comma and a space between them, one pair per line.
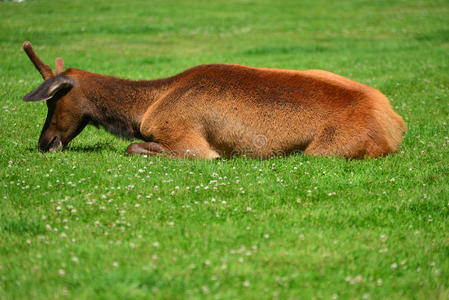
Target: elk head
65, 117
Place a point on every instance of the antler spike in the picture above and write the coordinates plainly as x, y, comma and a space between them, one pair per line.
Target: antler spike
44, 69
59, 65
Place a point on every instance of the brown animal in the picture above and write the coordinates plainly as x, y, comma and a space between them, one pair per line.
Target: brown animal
218, 110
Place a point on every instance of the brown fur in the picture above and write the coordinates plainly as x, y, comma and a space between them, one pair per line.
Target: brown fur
220, 110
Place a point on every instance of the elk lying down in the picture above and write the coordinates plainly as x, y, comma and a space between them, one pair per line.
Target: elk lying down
220, 110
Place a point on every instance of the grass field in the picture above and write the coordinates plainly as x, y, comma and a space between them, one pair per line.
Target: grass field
90, 222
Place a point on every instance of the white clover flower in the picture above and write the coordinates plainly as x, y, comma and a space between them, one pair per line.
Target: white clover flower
205, 289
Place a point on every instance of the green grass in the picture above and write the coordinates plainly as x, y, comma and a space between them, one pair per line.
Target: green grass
91, 222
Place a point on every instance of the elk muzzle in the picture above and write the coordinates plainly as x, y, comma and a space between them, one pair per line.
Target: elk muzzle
54, 143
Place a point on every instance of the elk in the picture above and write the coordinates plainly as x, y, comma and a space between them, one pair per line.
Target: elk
219, 110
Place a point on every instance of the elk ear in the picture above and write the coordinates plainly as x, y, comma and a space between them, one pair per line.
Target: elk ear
49, 88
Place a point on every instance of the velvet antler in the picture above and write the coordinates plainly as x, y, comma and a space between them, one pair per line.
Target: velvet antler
44, 69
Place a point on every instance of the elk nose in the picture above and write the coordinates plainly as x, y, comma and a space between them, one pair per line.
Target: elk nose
42, 146
52, 144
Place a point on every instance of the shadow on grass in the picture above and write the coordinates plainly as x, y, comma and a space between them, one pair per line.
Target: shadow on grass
97, 147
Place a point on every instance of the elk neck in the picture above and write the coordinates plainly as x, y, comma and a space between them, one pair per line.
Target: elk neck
117, 104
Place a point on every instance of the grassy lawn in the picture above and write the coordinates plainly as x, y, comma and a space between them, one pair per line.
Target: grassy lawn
90, 222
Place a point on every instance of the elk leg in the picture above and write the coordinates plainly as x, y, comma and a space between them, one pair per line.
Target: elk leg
184, 148
176, 137
332, 142
149, 148
194, 147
